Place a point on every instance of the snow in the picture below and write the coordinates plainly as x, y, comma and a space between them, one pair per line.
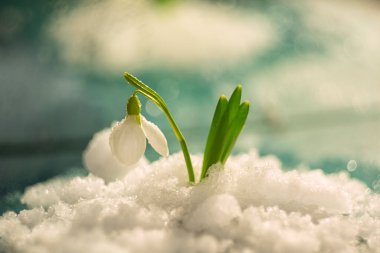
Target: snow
250, 205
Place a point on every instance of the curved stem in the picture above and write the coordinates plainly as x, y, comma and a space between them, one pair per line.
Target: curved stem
182, 141
152, 95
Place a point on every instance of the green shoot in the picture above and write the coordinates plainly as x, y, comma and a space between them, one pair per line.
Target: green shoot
228, 121
209, 159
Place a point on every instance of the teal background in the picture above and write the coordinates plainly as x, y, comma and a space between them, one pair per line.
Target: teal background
50, 108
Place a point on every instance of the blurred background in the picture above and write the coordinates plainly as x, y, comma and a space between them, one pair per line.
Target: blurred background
311, 70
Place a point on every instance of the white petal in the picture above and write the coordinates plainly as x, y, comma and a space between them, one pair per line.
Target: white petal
155, 137
127, 141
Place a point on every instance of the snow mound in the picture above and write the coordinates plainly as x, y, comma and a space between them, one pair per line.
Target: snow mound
250, 205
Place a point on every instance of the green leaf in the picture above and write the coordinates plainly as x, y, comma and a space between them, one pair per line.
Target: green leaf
234, 131
233, 104
215, 125
217, 143
225, 128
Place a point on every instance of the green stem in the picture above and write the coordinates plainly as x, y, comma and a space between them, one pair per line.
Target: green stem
152, 95
182, 141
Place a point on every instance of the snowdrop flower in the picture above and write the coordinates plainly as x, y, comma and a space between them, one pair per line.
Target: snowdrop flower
128, 137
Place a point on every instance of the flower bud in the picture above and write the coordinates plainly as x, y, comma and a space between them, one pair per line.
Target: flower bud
133, 105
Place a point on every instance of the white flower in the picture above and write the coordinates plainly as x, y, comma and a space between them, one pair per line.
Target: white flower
127, 140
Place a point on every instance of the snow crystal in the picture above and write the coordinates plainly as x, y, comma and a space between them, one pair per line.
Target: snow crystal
249, 205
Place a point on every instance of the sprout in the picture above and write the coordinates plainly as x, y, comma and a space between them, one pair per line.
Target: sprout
228, 121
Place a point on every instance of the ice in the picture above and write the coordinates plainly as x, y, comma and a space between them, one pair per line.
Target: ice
249, 205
